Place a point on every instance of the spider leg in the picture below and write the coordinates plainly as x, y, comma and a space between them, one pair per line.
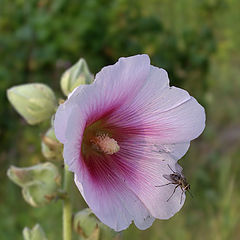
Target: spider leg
164, 185
173, 192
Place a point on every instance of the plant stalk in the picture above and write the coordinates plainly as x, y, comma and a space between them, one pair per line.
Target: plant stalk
67, 207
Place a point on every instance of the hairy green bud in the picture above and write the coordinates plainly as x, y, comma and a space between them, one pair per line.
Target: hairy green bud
35, 102
90, 228
40, 183
75, 76
51, 147
36, 233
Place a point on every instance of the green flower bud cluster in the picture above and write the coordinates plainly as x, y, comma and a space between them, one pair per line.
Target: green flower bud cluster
36, 233
36, 102
40, 183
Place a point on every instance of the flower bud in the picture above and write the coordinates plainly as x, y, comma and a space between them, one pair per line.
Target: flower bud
85, 222
40, 183
36, 233
74, 76
90, 228
51, 147
35, 102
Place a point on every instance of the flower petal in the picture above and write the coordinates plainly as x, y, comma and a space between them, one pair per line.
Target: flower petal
175, 150
65, 112
116, 188
114, 86
181, 124
60, 121
164, 114
145, 170
109, 198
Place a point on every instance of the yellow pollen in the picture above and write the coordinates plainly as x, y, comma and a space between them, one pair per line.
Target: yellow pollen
105, 144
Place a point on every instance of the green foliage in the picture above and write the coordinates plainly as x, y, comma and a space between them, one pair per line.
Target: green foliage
197, 42
40, 39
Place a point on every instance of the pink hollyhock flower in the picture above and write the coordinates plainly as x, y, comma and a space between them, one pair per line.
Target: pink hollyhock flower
121, 134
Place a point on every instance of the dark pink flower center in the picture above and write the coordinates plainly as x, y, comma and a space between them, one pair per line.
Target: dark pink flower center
98, 141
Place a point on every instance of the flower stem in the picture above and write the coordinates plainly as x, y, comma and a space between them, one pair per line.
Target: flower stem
67, 207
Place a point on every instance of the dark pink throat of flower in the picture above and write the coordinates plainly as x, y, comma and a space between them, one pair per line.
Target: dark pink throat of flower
97, 140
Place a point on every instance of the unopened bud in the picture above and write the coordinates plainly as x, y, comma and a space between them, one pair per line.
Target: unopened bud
36, 233
20, 176
35, 102
40, 183
85, 222
51, 147
75, 76
90, 228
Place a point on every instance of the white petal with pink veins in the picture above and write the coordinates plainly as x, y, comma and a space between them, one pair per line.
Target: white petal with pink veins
113, 203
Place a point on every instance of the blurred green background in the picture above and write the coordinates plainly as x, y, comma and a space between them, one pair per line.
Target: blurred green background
197, 42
